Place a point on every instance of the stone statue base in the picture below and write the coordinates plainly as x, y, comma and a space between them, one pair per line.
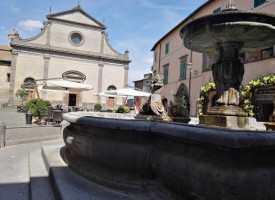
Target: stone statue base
270, 126
231, 122
229, 110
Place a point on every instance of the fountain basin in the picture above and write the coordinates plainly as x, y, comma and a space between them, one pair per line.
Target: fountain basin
252, 29
185, 161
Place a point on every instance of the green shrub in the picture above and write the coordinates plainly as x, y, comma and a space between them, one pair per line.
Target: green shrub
97, 107
126, 109
122, 109
22, 94
35, 105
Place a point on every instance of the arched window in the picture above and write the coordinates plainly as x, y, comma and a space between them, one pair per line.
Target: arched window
181, 97
111, 87
28, 83
75, 76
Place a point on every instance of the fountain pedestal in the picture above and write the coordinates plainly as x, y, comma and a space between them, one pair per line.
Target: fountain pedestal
232, 122
228, 74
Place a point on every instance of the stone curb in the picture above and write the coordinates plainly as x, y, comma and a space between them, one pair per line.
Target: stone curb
32, 140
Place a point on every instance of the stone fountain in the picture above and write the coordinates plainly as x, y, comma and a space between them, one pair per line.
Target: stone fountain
227, 34
168, 160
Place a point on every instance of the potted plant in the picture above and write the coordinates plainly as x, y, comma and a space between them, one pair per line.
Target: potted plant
22, 94
97, 107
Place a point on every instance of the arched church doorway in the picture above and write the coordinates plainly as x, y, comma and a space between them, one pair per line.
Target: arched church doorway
111, 100
74, 98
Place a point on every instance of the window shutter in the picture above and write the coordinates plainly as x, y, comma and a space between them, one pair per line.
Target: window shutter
165, 75
258, 3
182, 69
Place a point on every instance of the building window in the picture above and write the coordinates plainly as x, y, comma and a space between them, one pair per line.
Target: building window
258, 55
76, 38
111, 87
156, 57
217, 10
8, 77
254, 55
258, 3
167, 48
266, 53
28, 83
183, 64
74, 76
206, 62
165, 74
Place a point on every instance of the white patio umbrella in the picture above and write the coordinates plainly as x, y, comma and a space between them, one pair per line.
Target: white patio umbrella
40, 88
66, 85
128, 92
103, 94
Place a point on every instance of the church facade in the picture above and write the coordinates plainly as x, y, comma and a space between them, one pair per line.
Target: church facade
72, 46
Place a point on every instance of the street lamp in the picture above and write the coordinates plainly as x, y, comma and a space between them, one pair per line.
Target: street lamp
189, 66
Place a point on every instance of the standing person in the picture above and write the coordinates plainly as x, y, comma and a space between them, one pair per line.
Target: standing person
136, 108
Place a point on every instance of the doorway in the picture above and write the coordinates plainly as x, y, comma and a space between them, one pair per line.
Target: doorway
267, 111
72, 99
263, 110
111, 103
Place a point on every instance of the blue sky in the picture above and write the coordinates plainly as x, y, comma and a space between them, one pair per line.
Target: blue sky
135, 25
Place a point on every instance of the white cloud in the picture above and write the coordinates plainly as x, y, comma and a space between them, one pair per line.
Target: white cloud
14, 9
31, 25
148, 60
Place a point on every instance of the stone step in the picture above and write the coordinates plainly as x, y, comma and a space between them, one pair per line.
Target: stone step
40, 188
67, 185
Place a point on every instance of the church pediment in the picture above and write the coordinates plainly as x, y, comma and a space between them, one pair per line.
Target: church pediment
76, 15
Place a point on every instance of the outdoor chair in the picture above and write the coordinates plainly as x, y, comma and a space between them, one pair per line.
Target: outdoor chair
57, 116
49, 116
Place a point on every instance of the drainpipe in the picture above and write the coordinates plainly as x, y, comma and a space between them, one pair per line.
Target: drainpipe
159, 55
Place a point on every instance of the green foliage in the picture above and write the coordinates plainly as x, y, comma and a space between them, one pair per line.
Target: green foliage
126, 109
203, 97
97, 107
249, 90
35, 105
122, 109
22, 94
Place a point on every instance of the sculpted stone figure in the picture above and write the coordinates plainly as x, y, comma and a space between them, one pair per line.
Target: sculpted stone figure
154, 104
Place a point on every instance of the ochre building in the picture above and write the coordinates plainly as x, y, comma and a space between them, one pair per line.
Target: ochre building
188, 71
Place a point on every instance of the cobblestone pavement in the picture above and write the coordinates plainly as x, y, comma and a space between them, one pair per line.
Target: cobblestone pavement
18, 132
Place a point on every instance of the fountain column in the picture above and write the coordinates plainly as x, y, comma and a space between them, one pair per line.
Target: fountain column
228, 74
